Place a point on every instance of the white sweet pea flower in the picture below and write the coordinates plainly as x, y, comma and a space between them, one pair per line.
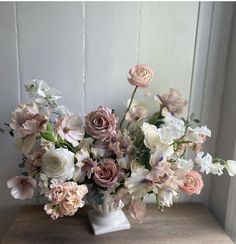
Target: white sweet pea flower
165, 197
58, 164
159, 150
217, 169
43, 94
198, 134
204, 162
173, 128
185, 164
231, 167
203, 130
162, 153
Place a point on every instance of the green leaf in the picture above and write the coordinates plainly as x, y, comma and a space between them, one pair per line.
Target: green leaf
21, 165
48, 136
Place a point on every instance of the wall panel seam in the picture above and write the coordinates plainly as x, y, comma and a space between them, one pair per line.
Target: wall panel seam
17, 54
84, 55
194, 59
207, 61
139, 32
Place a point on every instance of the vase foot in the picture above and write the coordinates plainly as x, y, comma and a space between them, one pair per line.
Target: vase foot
109, 223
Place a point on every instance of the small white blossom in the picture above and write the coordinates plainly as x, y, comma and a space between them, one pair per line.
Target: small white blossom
204, 162
217, 169
185, 164
231, 167
43, 94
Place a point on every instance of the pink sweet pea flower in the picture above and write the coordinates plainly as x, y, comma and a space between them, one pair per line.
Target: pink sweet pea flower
70, 128
22, 187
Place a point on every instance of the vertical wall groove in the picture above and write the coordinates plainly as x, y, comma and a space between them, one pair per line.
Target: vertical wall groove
194, 59
207, 61
17, 54
84, 55
139, 32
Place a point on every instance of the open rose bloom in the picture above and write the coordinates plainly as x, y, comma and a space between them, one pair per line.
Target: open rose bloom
105, 160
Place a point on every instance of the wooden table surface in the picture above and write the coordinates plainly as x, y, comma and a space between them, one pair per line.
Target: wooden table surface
183, 223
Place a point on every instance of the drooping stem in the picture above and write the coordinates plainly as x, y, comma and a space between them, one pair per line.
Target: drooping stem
127, 110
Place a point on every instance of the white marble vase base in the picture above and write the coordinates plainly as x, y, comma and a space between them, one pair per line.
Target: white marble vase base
108, 222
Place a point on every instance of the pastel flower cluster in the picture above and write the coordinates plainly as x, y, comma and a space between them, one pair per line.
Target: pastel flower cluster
101, 159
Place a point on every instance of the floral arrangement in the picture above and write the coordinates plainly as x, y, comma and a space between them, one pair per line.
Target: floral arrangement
69, 160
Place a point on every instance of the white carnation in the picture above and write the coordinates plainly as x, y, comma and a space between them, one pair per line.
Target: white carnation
58, 164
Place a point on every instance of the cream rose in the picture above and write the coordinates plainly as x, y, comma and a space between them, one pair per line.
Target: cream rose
58, 164
140, 75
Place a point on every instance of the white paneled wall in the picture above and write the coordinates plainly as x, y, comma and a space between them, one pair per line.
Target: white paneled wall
86, 49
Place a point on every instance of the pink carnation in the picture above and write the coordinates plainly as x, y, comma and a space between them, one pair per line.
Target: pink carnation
65, 197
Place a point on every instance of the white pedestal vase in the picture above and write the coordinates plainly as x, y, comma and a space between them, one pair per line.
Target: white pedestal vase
105, 218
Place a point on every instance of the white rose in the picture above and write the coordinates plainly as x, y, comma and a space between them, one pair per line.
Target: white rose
231, 167
58, 164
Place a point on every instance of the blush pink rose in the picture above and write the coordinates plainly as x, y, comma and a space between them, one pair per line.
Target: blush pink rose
193, 183
101, 123
140, 75
106, 174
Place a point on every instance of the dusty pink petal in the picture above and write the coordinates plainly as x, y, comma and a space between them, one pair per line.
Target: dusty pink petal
137, 209
101, 123
70, 128
22, 187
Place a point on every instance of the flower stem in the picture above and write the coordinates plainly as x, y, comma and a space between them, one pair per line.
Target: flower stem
127, 110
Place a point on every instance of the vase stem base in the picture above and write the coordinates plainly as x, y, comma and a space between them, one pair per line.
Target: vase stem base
103, 224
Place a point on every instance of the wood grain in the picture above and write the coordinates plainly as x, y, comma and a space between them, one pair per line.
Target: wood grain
184, 223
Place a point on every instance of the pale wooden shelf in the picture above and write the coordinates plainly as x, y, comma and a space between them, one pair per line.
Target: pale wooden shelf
183, 223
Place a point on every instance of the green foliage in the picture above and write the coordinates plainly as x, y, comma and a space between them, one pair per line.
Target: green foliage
156, 119
48, 135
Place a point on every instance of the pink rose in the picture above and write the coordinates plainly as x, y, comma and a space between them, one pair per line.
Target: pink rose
106, 174
27, 120
173, 101
137, 209
140, 75
101, 123
193, 183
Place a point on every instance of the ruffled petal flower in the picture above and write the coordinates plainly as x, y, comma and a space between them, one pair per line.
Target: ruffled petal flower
22, 187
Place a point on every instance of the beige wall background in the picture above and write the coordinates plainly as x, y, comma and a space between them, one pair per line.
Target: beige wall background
86, 49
